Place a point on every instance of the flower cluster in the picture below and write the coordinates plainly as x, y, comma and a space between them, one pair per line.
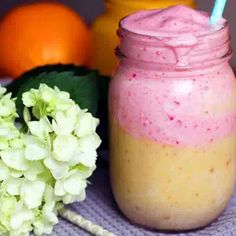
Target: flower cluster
46, 165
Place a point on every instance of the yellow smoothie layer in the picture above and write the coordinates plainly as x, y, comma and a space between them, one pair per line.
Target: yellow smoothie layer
169, 187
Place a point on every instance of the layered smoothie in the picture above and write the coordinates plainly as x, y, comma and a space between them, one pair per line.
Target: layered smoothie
173, 119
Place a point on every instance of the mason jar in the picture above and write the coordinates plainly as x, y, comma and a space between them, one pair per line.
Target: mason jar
172, 112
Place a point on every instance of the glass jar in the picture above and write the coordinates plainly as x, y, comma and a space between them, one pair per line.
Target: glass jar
105, 26
173, 130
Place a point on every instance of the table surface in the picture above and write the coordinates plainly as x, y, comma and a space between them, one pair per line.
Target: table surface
100, 208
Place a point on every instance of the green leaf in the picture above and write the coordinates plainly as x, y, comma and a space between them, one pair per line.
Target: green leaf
80, 82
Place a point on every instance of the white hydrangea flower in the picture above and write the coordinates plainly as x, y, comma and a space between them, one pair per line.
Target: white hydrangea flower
15, 218
65, 147
46, 101
48, 164
35, 169
16, 173
47, 94
48, 218
71, 188
21, 220
36, 148
58, 169
44, 224
4, 171
30, 98
13, 186
15, 158
31, 193
7, 105
2, 91
17, 142
86, 124
7, 209
8, 108
65, 121
88, 145
63, 101
4, 144
8, 132
40, 128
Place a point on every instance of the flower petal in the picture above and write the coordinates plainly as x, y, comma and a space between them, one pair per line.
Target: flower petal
57, 168
65, 147
36, 149
59, 188
35, 169
20, 217
15, 159
29, 98
64, 122
32, 193
40, 128
4, 171
74, 184
87, 124
13, 186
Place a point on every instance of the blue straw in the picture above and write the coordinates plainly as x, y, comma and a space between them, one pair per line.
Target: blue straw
217, 11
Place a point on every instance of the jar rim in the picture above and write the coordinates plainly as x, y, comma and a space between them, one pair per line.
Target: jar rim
172, 67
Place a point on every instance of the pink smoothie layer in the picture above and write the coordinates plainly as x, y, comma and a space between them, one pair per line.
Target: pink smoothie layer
173, 21
163, 110
191, 107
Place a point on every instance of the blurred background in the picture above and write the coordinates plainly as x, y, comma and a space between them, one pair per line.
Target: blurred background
89, 9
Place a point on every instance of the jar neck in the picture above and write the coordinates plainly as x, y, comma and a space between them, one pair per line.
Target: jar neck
172, 53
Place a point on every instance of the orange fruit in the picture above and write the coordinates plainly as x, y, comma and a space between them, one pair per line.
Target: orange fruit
42, 33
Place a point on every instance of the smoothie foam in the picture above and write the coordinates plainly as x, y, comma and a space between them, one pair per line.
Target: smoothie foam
174, 21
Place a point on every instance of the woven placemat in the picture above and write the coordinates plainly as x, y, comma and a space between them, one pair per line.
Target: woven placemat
100, 208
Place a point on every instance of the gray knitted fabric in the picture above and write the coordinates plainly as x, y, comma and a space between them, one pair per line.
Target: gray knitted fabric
100, 208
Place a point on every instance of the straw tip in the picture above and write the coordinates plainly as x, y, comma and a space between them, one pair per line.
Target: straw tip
217, 12
214, 21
